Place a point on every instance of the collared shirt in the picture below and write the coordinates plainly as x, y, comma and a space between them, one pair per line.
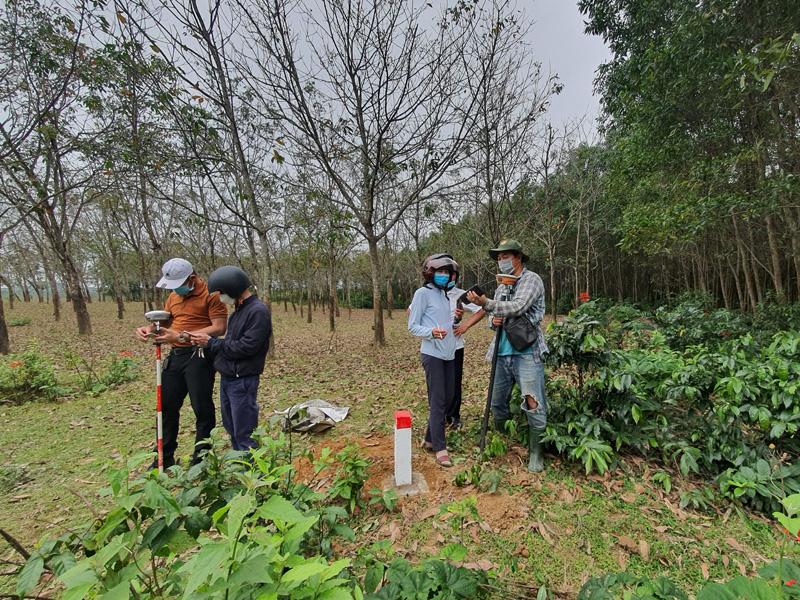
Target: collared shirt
429, 309
194, 311
453, 295
525, 296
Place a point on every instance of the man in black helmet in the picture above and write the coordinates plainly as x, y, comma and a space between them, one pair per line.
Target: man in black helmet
240, 356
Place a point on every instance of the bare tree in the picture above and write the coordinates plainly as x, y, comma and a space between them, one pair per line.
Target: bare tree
381, 98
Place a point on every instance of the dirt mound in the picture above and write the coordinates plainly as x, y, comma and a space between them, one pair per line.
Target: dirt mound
500, 511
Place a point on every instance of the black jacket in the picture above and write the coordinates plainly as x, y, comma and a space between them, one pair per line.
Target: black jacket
243, 350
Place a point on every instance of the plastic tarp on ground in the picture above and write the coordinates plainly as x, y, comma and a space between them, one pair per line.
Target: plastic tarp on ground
312, 416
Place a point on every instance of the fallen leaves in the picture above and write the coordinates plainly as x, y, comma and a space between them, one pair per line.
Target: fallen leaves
735, 544
544, 530
642, 548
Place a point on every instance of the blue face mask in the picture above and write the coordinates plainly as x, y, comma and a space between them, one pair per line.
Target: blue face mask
183, 290
441, 279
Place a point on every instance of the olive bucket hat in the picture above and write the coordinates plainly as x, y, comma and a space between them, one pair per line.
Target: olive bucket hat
508, 246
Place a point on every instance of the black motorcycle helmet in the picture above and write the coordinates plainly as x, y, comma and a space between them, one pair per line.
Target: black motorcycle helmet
228, 280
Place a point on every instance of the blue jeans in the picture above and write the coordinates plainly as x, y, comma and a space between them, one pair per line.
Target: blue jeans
528, 374
237, 399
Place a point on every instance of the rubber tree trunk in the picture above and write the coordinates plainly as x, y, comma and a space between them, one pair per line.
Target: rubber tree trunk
389, 297
331, 302
794, 227
79, 306
5, 344
551, 253
379, 336
54, 293
775, 256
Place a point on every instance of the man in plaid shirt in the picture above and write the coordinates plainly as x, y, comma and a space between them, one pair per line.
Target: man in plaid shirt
523, 367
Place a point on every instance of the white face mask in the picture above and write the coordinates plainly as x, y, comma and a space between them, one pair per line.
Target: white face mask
227, 299
506, 266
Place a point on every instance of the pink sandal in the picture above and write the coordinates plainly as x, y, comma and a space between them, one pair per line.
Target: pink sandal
443, 459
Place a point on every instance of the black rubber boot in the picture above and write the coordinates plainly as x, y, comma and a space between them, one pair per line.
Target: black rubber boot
535, 450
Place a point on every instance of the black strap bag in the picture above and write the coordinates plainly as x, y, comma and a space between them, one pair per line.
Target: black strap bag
521, 332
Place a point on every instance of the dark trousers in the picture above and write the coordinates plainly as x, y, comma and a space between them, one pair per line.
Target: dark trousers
440, 377
187, 373
237, 400
454, 412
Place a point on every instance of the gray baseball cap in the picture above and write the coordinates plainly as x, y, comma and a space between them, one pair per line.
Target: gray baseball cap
175, 271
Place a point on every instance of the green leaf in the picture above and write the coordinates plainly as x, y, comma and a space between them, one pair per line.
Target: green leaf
80, 574
374, 577
542, 594
206, 564
335, 568
453, 552
257, 569
121, 591
336, 594
241, 506
159, 498
80, 592
740, 588
636, 413
304, 571
792, 525
792, 504
280, 509
29, 576
112, 521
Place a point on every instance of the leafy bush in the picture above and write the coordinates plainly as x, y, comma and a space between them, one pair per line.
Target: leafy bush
726, 409
434, 578
236, 526
93, 381
774, 582
120, 369
28, 376
19, 321
238, 530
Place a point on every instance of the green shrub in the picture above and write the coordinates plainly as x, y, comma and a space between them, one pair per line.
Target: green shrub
724, 409
28, 376
121, 369
236, 526
20, 321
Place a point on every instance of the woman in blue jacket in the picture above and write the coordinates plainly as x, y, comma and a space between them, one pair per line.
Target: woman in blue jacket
430, 319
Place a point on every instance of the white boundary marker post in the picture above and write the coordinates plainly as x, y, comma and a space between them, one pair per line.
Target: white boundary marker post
402, 448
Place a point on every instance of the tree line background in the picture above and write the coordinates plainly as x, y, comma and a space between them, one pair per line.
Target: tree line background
327, 147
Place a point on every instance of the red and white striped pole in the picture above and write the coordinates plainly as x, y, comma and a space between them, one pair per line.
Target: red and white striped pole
159, 422
156, 317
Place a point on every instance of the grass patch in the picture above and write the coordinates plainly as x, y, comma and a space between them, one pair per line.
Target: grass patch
557, 529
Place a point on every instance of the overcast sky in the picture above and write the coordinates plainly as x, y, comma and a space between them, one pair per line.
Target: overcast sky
558, 42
